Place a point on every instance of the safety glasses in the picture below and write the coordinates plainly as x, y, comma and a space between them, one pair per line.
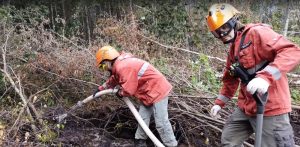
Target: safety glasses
103, 66
225, 29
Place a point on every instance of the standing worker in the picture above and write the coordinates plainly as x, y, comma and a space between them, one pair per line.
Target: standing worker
140, 79
265, 57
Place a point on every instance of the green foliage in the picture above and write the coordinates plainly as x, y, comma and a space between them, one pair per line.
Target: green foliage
47, 98
177, 22
47, 135
203, 76
4, 13
166, 22
32, 16
276, 20
87, 76
29, 55
295, 40
295, 93
2, 83
161, 65
60, 126
73, 26
8, 95
210, 80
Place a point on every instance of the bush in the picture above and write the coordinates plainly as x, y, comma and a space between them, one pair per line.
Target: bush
295, 93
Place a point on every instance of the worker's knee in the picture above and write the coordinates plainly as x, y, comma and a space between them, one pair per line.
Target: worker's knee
161, 124
231, 138
284, 138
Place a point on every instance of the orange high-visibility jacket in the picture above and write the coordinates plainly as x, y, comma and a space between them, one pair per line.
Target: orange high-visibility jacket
151, 87
261, 44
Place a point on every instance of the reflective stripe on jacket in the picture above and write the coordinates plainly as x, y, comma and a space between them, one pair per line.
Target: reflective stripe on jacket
262, 44
150, 87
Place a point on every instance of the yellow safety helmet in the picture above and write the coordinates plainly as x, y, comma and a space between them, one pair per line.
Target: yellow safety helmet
106, 53
218, 15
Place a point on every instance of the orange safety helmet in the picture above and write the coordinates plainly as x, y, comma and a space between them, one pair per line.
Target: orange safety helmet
219, 14
106, 53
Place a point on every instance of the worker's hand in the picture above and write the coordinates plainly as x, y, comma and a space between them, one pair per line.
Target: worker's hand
119, 94
79, 103
100, 88
258, 84
214, 111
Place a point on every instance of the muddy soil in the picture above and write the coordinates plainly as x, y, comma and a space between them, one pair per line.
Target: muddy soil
104, 127
109, 124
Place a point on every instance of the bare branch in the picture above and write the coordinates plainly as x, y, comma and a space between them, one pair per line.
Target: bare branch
17, 89
181, 49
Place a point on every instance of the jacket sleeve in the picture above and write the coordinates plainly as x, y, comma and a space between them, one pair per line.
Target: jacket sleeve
128, 80
110, 82
230, 85
285, 54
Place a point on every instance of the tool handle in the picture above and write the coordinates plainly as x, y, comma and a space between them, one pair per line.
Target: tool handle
261, 100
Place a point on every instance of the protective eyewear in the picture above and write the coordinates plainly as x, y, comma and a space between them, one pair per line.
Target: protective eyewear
103, 66
225, 29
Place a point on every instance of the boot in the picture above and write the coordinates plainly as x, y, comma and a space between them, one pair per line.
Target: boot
140, 143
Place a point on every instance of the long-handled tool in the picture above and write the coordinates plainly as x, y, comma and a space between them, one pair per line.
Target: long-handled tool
261, 101
79, 104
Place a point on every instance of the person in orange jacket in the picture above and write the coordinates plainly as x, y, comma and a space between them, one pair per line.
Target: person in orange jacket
266, 57
141, 80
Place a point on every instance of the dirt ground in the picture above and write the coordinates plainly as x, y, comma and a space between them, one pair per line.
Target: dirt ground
115, 128
110, 124
295, 117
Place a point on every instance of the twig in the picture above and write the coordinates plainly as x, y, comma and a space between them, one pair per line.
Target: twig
192, 96
65, 38
7, 89
17, 120
295, 107
65, 77
293, 75
182, 49
142, 8
17, 89
200, 120
203, 116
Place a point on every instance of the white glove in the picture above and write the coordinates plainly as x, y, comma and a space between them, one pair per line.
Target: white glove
214, 111
258, 84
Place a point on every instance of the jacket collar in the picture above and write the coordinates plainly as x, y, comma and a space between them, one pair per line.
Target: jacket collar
120, 58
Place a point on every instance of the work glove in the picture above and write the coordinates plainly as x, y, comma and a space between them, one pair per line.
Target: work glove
79, 103
100, 88
258, 84
214, 111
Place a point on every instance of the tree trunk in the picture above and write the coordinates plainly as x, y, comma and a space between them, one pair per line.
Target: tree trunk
87, 25
52, 15
262, 14
64, 17
286, 19
188, 38
134, 29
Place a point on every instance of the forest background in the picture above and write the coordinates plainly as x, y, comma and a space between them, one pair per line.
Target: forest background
48, 64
